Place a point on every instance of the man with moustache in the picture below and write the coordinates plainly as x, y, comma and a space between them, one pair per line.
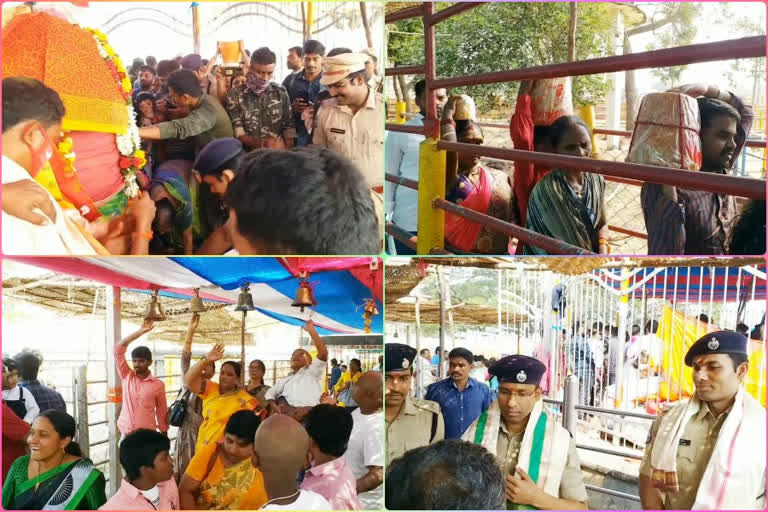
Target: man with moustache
536, 454
305, 86
410, 422
462, 399
350, 123
709, 452
682, 221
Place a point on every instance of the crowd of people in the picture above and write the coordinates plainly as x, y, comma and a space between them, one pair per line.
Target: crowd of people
466, 447
297, 445
567, 204
235, 162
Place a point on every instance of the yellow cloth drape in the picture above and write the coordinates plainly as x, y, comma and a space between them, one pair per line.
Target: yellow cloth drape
678, 332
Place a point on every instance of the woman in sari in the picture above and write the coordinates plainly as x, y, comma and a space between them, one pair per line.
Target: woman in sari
221, 475
186, 438
220, 401
55, 476
568, 204
255, 386
484, 190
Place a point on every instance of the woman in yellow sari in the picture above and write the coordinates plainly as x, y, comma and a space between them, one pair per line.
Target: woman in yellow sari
220, 401
221, 475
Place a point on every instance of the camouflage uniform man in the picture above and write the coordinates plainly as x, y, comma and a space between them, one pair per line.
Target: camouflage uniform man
410, 422
261, 109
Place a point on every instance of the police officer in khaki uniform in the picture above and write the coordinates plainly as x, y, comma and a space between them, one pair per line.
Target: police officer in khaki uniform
410, 422
709, 452
351, 122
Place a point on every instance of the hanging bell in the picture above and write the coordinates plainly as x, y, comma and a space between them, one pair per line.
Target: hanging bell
245, 300
155, 310
303, 297
371, 308
196, 304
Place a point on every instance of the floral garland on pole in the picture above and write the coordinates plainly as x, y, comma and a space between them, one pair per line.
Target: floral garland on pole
133, 158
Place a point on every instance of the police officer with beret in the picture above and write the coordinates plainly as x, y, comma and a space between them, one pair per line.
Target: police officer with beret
215, 168
537, 455
411, 422
709, 452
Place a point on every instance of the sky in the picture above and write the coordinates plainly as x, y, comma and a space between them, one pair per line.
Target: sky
709, 30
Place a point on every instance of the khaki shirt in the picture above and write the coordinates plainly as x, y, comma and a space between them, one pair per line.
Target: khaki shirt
412, 428
571, 483
693, 453
358, 136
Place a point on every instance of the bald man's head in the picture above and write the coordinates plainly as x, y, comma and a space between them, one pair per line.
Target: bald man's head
368, 392
281, 446
300, 358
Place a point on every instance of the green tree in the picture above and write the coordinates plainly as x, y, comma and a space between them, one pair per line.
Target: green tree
499, 36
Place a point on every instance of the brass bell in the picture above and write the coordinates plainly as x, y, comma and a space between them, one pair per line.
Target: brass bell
371, 308
155, 310
196, 304
245, 300
303, 297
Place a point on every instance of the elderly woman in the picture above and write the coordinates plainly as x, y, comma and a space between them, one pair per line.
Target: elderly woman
54, 476
220, 401
569, 204
472, 186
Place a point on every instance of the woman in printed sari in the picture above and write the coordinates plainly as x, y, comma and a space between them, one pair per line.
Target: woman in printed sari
467, 184
220, 401
55, 476
568, 204
255, 385
176, 225
221, 475
186, 437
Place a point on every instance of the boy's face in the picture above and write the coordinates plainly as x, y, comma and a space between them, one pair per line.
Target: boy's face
162, 470
13, 378
141, 366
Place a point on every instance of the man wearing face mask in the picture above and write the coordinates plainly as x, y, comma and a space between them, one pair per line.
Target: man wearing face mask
260, 109
32, 221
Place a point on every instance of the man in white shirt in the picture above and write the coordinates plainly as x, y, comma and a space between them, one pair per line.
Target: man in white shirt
422, 373
365, 451
280, 451
401, 154
301, 390
32, 115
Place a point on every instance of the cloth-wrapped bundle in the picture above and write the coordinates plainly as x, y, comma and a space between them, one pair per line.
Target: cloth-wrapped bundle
551, 99
667, 132
465, 109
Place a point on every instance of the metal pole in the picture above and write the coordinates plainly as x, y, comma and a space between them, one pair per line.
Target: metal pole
196, 26
80, 383
570, 399
114, 386
441, 286
242, 351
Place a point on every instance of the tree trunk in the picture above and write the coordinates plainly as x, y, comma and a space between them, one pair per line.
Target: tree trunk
368, 36
398, 91
404, 89
572, 32
630, 89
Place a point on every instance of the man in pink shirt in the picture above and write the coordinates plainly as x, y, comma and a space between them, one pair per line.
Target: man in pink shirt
329, 428
148, 482
144, 401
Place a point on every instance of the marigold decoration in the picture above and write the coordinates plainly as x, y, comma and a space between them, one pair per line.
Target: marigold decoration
370, 310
